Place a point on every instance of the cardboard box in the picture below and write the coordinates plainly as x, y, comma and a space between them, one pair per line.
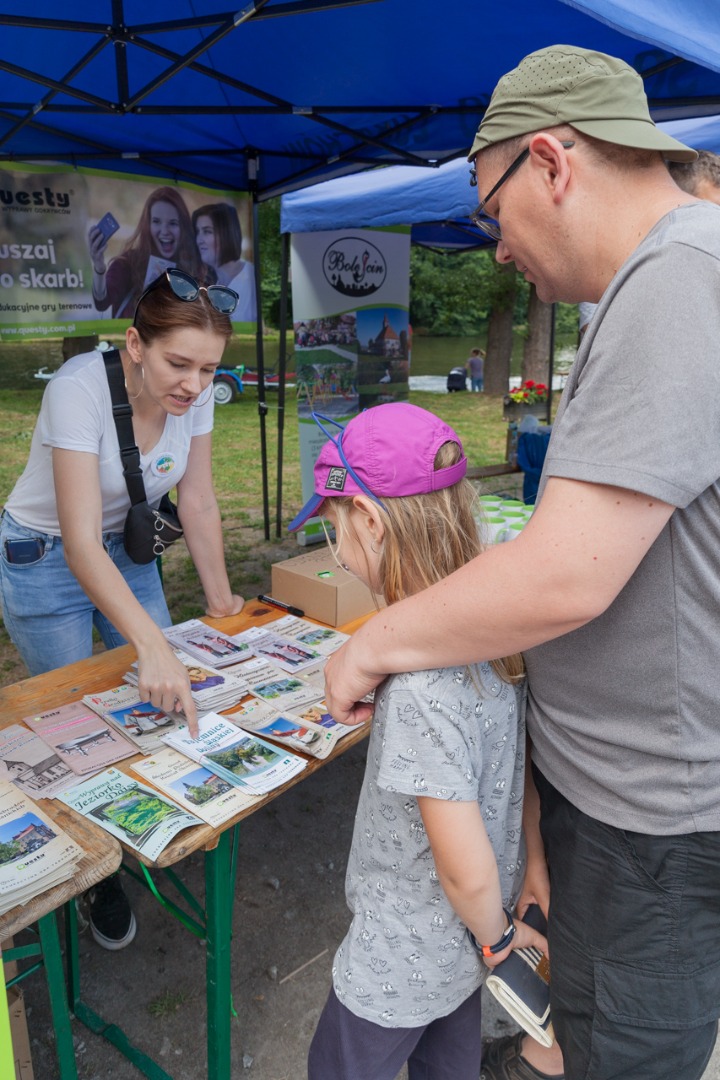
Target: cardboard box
19, 1034
316, 584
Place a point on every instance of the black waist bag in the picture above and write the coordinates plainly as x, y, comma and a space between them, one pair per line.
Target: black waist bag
148, 529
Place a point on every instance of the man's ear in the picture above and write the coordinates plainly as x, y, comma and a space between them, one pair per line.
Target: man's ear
548, 153
370, 517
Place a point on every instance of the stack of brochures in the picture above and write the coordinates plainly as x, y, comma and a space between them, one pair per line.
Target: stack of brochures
31, 764
211, 689
194, 787
245, 761
139, 721
35, 854
82, 740
134, 813
200, 640
313, 730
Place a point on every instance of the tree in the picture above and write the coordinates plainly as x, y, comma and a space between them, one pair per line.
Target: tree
500, 328
536, 351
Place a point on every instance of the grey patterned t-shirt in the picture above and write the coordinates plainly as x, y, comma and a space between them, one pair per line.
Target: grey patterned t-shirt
447, 734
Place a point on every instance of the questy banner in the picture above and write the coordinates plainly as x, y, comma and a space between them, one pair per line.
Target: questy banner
351, 292
77, 248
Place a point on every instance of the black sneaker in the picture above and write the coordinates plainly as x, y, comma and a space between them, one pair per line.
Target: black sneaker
112, 922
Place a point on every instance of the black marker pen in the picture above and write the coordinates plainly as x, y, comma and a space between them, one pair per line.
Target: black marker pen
283, 607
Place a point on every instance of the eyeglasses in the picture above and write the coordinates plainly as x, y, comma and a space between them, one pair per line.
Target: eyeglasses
187, 289
337, 441
485, 224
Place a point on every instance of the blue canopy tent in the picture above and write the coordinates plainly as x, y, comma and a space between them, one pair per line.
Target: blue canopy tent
284, 93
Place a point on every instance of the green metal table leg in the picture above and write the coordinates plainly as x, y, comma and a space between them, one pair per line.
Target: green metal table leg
50, 941
219, 889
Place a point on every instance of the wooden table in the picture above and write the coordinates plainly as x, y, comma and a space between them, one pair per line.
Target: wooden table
219, 845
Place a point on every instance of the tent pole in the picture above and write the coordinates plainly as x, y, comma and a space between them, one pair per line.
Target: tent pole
551, 363
282, 367
259, 347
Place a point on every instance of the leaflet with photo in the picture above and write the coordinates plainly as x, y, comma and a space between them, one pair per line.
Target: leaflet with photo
285, 692
284, 652
323, 639
31, 765
318, 714
35, 853
83, 740
138, 720
136, 814
289, 730
200, 640
194, 787
237, 756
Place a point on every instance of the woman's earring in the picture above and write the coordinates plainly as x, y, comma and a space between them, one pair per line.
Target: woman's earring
142, 385
374, 549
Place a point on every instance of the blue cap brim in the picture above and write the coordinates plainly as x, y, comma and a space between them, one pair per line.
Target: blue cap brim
309, 510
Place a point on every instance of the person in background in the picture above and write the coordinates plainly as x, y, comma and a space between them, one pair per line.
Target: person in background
476, 368
63, 566
164, 233
612, 590
436, 848
219, 240
700, 178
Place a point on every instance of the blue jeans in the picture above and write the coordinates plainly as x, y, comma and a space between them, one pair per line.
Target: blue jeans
634, 935
46, 612
477, 385
348, 1047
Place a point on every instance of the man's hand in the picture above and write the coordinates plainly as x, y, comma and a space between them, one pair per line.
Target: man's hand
346, 683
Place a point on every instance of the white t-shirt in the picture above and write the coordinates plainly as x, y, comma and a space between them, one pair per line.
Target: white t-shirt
76, 414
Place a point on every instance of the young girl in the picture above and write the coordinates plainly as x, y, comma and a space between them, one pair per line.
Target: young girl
436, 849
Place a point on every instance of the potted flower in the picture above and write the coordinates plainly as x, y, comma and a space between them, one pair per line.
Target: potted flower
528, 399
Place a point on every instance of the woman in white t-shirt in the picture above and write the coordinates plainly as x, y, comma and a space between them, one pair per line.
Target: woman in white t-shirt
63, 566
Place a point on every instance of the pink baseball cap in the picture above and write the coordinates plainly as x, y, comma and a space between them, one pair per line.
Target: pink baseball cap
384, 452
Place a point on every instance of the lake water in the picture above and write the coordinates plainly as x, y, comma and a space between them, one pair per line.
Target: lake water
430, 357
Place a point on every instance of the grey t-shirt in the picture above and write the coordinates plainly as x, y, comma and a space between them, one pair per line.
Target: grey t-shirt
448, 734
623, 713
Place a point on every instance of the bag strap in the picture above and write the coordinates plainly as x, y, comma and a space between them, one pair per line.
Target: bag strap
122, 415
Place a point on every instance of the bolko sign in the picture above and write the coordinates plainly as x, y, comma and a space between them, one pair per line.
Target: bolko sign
354, 267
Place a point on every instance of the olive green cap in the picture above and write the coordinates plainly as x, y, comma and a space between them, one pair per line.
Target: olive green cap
563, 84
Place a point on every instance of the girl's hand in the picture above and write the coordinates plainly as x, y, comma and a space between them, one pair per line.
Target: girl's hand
165, 683
235, 606
524, 937
536, 887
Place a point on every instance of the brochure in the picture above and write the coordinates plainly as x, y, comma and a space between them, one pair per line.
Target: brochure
200, 640
31, 765
321, 638
284, 691
521, 983
35, 853
240, 758
286, 728
82, 739
192, 786
136, 814
285, 653
138, 720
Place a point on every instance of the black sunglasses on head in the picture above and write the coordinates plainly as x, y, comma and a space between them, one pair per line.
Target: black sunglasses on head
186, 288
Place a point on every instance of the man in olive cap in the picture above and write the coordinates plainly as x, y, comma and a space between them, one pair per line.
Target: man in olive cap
612, 590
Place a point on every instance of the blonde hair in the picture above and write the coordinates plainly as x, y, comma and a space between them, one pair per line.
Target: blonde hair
427, 538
